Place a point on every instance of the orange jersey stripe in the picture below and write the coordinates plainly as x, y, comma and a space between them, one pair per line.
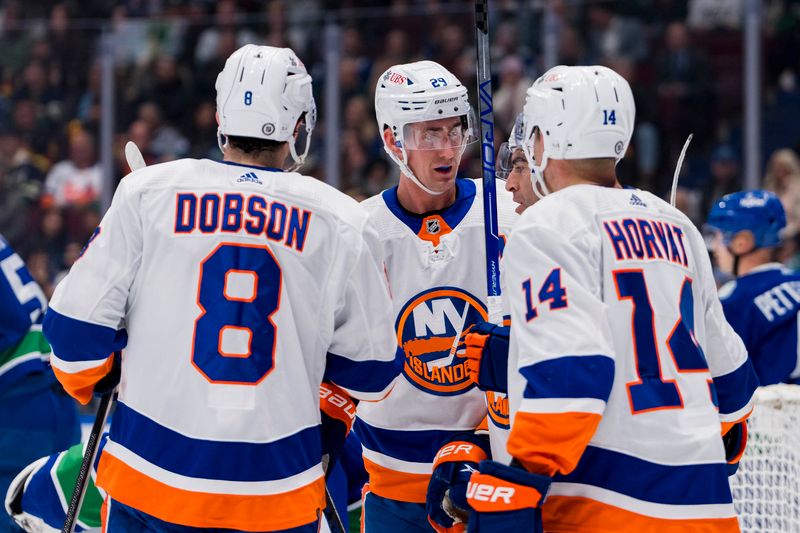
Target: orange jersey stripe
401, 486
551, 443
726, 426
200, 509
81, 384
569, 514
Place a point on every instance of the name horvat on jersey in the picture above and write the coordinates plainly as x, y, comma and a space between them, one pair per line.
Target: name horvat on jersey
646, 240
430, 331
235, 212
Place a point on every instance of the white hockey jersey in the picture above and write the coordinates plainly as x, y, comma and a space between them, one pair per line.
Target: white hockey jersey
231, 289
621, 364
435, 265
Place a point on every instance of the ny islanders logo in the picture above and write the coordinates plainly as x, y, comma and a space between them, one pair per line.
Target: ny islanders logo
497, 403
430, 330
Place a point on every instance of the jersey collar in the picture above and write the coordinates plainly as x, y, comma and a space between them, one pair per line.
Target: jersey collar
268, 169
433, 225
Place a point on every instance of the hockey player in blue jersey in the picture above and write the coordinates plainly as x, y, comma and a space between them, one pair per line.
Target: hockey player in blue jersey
36, 417
762, 303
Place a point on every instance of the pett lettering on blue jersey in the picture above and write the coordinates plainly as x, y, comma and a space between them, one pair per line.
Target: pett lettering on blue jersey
763, 306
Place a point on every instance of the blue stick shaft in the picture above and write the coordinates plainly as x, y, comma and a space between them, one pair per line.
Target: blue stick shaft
487, 160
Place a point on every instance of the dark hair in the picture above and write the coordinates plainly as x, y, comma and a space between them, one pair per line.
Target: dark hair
251, 145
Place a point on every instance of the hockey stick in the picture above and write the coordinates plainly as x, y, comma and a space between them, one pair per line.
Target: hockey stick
332, 515
135, 161
490, 227
677, 173
82, 481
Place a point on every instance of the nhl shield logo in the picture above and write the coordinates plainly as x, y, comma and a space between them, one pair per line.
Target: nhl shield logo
432, 226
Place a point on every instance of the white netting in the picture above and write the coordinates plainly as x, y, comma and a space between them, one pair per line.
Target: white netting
766, 489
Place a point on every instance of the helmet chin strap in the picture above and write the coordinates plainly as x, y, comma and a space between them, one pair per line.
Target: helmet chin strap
298, 159
737, 257
222, 141
537, 172
403, 164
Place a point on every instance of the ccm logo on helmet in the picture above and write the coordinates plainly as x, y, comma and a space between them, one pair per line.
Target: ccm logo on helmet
489, 493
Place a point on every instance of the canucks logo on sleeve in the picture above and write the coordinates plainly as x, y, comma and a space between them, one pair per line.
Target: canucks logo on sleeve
430, 330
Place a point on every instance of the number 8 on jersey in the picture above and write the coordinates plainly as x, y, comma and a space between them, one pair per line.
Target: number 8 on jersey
239, 290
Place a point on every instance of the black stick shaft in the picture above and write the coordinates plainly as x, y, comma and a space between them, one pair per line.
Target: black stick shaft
332, 515
88, 460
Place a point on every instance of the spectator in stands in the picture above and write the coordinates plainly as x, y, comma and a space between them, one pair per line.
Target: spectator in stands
783, 178
76, 181
30, 124
168, 89
683, 90
203, 134
612, 35
167, 143
510, 97
226, 18
725, 176
22, 175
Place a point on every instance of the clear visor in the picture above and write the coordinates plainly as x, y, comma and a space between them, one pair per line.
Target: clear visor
713, 237
453, 133
510, 160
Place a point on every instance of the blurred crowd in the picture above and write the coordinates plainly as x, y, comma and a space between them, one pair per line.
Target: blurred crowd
684, 60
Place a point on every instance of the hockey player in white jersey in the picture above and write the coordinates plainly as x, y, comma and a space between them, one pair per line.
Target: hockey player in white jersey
623, 373
231, 289
431, 231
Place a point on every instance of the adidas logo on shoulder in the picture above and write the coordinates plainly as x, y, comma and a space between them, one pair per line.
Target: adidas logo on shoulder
635, 200
249, 177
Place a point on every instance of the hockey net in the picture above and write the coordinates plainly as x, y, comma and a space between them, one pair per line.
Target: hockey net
766, 489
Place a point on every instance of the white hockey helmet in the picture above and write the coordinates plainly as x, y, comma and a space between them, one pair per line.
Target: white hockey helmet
581, 113
419, 92
261, 93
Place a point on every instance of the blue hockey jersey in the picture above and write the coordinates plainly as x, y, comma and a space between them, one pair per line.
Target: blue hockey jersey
762, 306
23, 349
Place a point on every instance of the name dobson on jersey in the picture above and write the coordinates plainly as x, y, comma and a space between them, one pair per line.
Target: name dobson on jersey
430, 330
253, 214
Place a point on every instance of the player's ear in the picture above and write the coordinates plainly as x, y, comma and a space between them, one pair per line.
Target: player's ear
390, 142
743, 242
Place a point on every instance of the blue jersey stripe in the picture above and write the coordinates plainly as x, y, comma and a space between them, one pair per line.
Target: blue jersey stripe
672, 485
736, 388
208, 459
74, 340
574, 376
417, 446
362, 376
